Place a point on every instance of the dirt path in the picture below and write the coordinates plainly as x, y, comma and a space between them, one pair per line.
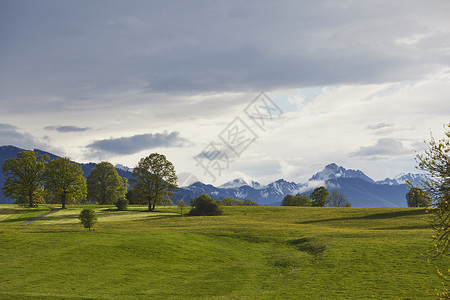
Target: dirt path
52, 210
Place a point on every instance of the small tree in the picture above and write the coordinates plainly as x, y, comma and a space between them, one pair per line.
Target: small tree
88, 218
415, 197
204, 205
338, 199
320, 196
181, 205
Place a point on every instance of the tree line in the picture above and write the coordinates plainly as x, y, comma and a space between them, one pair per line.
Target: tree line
320, 197
31, 178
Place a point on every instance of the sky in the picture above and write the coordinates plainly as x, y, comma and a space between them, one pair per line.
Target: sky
261, 90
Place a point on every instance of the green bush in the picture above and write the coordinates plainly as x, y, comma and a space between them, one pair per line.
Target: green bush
122, 204
204, 205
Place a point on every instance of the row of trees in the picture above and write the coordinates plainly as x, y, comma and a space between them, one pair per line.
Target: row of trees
320, 197
32, 178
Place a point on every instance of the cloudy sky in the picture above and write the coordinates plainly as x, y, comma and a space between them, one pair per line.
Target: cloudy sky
358, 83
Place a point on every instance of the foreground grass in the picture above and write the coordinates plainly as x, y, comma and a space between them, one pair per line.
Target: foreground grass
250, 252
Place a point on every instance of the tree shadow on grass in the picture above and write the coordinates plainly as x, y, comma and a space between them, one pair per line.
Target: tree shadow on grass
379, 216
309, 245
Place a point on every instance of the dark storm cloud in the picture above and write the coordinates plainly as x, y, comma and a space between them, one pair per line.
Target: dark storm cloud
67, 128
137, 143
81, 49
383, 149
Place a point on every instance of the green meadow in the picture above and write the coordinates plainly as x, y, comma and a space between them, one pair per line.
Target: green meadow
247, 253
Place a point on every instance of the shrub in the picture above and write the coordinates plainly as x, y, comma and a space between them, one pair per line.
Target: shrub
88, 218
122, 204
204, 205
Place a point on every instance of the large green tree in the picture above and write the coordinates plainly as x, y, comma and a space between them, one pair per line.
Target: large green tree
64, 179
104, 185
154, 177
436, 161
24, 176
320, 196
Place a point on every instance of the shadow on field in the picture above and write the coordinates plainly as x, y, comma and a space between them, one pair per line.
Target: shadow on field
310, 246
379, 216
11, 211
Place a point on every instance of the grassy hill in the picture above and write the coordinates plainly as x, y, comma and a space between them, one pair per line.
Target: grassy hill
250, 252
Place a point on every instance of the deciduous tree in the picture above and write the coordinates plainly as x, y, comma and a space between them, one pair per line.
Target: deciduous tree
24, 176
181, 205
88, 218
104, 185
338, 199
155, 178
297, 200
204, 205
415, 197
320, 196
436, 161
65, 180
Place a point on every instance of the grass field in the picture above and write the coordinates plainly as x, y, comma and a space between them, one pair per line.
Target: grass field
249, 252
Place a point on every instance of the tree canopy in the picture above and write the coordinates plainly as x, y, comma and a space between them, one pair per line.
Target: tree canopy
230, 201
88, 218
320, 196
155, 179
415, 197
104, 185
24, 176
297, 200
65, 180
204, 205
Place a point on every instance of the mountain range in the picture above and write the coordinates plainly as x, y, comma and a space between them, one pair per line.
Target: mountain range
359, 189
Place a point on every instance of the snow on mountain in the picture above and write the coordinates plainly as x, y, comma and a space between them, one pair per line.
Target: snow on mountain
333, 171
123, 168
256, 185
236, 183
403, 178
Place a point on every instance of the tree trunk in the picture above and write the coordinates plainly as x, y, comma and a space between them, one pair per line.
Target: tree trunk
149, 205
30, 198
63, 201
154, 206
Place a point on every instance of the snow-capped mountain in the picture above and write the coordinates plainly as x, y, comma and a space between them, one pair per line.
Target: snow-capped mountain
403, 178
236, 183
358, 188
123, 168
333, 171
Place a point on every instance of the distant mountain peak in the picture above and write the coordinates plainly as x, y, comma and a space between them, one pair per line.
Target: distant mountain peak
402, 178
333, 171
236, 183
123, 168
